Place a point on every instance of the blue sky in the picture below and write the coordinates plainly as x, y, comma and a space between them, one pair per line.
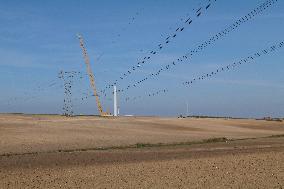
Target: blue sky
38, 39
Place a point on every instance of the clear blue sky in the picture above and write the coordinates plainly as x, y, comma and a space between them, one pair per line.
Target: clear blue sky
38, 39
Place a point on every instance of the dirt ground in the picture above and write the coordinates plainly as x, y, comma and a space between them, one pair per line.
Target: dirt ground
30, 156
41, 133
253, 163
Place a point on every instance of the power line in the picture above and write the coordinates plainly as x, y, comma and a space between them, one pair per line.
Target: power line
235, 64
188, 21
205, 44
228, 67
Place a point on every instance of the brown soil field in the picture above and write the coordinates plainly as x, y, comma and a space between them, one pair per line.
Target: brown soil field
42, 151
42, 133
252, 163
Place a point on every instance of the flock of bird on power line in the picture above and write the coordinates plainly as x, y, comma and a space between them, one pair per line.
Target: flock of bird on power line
202, 46
160, 46
67, 77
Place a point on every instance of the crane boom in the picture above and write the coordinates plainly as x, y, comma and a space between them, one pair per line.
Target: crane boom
91, 76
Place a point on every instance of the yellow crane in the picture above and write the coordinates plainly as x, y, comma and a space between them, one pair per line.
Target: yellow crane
91, 76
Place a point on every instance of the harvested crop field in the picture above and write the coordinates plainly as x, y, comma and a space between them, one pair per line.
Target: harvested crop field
42, 133
45, 151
